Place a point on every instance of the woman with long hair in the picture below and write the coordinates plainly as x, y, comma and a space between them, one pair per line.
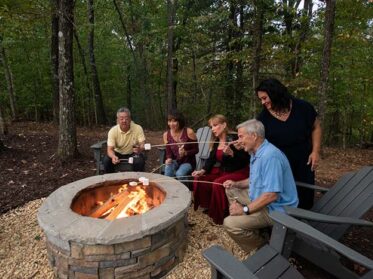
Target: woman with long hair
292, 126
181, 146
225, 162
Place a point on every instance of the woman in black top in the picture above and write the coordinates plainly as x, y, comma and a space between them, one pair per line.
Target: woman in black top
225, 162
292, 125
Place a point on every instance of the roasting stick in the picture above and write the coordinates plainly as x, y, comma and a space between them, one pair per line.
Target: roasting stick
149, 146
185, 180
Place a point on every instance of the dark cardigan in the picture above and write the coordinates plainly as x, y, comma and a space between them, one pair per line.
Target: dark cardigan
240, 159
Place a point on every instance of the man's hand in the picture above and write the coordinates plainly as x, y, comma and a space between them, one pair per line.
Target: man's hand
236, 209
115, 160
168, 161
228, 184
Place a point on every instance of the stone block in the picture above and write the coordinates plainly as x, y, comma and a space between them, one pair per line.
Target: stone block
140, 273
98, 258
106, 273
89, 250
83, 263
163, 267
76, 250
85, 270
117, 263
79, 275
132, 245
154, 256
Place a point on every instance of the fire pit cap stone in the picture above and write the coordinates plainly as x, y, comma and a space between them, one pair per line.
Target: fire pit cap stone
58, 220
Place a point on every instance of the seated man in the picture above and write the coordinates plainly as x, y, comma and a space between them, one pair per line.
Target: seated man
125, 140
270, 187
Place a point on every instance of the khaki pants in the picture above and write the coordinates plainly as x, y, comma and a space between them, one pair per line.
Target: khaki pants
245, 229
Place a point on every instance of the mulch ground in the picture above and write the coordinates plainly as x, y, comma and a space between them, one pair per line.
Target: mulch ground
30, 170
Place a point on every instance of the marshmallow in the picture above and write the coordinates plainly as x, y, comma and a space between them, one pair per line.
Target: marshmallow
147, 146
141, 178
145, 181
133, 183
130, 160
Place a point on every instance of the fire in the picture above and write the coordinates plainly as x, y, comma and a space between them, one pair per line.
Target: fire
128, 201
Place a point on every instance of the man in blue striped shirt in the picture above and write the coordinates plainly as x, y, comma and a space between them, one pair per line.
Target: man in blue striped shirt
270, 187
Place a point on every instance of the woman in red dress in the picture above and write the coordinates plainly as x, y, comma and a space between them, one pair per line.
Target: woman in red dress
225, 162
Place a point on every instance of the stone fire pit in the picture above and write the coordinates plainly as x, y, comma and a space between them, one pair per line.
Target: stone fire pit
142, 246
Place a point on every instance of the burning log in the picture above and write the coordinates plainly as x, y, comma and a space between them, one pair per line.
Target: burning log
108, 204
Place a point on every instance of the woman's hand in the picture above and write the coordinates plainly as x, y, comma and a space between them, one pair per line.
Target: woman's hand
198, 173
168, 161
182, 151
228, 151
313, 159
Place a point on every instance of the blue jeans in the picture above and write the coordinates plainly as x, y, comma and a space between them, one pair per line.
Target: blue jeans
174, 169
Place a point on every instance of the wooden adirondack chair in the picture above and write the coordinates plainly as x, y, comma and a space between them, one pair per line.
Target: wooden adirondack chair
339, 208
270, 260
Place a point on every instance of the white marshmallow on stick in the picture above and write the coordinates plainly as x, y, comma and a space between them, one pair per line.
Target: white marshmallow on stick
145, 181
147, 146
130, 160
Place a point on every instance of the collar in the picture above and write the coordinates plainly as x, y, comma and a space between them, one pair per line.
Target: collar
259, 152
129, 130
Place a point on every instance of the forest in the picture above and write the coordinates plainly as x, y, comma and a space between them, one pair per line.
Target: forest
76, 62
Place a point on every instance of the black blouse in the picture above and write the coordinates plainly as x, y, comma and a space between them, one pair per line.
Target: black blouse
240, 159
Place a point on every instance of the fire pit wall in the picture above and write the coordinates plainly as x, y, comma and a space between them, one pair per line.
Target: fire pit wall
141, 246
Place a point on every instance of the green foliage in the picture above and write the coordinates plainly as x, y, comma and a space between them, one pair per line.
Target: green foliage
209, 42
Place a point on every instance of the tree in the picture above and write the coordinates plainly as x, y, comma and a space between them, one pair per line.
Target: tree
171, 63
101, 116
67, 145
326, 56
9, 79
54, 58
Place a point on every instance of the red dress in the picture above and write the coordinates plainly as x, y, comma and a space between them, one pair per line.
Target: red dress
212, 196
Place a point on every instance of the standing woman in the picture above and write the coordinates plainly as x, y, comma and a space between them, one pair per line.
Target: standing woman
225, 162
292, 125
180, 158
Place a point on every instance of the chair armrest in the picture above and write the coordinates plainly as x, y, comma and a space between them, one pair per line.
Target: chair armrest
305, 229
322, 218
226, 264
98, 145
310, 186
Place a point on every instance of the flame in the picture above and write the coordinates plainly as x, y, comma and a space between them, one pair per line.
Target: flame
135, 202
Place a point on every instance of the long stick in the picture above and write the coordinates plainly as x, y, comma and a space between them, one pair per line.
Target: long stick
192, 142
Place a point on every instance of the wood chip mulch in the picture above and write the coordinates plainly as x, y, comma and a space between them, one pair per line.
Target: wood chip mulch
23, 253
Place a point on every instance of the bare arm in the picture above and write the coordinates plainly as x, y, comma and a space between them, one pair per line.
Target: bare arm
314, 157
111, 154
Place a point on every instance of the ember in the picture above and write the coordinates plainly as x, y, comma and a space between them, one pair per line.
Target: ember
127, 202
118, 201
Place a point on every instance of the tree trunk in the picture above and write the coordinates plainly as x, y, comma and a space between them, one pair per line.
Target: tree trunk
101, 117
9, 80
305, 25
258, 38
90, 96
171, 93
54, 58
3, 126
326, 56
67, 146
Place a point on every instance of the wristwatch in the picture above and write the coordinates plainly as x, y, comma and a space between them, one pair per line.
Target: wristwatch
246, 210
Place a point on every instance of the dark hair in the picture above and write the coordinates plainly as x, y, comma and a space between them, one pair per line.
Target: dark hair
177, 116
277, 92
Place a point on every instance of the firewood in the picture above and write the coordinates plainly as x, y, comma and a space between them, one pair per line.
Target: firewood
109, 203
